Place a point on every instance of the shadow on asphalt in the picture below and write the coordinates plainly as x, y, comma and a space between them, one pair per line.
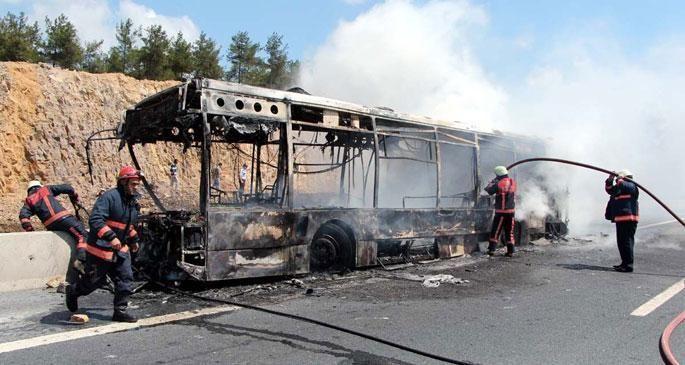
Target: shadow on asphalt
61, 318
585, 267
602, 268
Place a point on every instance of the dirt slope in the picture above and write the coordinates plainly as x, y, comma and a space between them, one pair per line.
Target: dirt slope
46, 115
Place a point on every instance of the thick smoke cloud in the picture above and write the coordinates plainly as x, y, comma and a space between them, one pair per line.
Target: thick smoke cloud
410, 58
593, 100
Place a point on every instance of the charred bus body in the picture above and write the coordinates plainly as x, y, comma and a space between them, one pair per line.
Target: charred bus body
332, 184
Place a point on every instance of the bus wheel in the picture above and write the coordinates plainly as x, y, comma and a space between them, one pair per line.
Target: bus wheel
331, 246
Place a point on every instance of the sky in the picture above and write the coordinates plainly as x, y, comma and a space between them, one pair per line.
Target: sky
602, 81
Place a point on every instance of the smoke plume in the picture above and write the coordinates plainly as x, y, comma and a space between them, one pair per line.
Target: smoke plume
595, 101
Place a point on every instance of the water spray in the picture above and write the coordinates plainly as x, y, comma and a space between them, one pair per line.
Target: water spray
601, 170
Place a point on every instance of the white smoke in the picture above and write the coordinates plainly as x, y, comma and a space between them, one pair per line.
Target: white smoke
535, 204
414, 59
598, 102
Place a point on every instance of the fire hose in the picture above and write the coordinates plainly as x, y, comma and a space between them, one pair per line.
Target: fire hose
664, 344
309, 320
604, 171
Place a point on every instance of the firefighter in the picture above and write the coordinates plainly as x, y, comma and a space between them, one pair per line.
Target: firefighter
110, 242
624, 211
41, 201
505, 188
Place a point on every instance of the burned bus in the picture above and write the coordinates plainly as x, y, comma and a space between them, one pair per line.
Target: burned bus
344, 185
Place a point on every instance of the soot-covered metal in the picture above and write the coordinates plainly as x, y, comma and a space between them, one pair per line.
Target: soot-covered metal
346, 184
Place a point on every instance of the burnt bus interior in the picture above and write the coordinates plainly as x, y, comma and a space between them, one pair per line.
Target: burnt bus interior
330, 184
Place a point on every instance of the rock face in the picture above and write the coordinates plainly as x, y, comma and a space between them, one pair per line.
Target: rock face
46, 115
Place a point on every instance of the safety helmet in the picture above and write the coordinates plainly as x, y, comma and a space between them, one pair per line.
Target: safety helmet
33, 184
501, 171
624, 173
128, 172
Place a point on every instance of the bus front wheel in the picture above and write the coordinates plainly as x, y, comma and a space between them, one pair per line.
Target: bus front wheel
331, 247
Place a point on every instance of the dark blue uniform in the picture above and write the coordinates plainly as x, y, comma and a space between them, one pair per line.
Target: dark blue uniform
41, 201
504, 187
114, 216
624, 210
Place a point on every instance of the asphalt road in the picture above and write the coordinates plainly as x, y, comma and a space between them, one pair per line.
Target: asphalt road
550, 304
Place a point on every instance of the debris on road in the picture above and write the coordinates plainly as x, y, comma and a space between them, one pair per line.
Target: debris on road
79, 319
434, 281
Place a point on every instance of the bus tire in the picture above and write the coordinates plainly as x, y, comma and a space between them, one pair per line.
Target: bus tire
331, 247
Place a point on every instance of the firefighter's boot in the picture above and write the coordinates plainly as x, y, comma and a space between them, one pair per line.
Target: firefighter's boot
71, 298
491, 249
510, 250
121, 315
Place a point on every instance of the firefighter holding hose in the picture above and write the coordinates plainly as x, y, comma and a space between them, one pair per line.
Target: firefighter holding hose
623, 210
504, 187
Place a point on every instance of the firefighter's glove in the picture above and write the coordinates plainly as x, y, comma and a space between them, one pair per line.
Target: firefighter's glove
27, 227
116, 244
80, 266
74, 198
609, 180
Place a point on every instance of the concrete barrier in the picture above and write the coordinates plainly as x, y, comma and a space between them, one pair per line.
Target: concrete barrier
29, 260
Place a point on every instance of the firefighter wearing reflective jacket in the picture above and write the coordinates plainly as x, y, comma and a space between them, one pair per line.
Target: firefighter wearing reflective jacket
110, 242
41, 201
623, 210
504, 189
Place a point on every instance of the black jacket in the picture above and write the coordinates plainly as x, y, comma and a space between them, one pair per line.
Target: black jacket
623, 205
114, 216
42, 203
505, 188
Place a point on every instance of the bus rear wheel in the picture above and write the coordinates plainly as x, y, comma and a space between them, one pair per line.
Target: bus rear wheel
331, 247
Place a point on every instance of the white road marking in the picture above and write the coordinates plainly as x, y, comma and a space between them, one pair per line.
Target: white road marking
658, 300
110, 328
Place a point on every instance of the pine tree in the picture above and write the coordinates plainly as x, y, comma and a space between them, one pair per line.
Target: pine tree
122, 57
19, 40
62, 45
180, 56
206, 58
153, 55
245, 63
277, 63
93, 58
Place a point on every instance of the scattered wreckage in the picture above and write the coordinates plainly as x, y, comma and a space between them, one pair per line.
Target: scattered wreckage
333, 184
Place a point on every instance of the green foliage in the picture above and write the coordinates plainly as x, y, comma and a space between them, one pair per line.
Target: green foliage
206, 57
148, 54
180, 57
248, 66
19, 40
62, 45
122, 57
245, 63
153, 55
94, 60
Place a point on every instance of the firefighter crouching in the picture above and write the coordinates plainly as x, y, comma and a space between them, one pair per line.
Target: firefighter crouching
505, 188
41, 201
623, 210
110, 242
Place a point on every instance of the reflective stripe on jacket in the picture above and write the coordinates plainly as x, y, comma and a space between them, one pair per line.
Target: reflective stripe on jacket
42, 203
624, 205
111, 214
504, 187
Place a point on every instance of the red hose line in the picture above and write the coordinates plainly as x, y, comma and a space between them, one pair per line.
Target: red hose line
664, 341
601, 170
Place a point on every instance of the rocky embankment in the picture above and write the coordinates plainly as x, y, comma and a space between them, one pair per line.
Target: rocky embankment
47, 114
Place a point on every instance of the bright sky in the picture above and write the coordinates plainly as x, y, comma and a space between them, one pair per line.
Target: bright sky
604, 79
